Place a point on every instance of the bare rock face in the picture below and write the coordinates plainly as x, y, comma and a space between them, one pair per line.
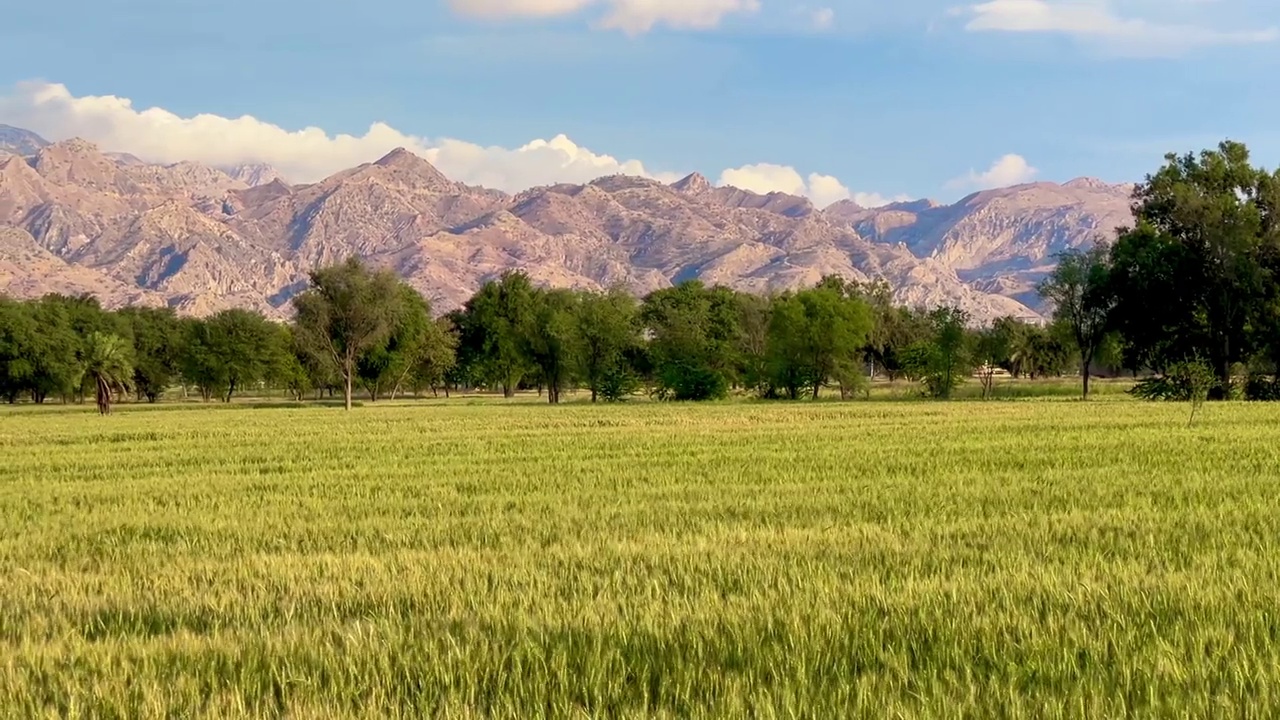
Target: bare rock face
1000, 241
16, 141
202, 239
254, 174
28, 270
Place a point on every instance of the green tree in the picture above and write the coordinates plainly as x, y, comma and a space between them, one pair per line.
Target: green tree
347, 310
553, 339
817, 335
157, 349
18, 337
389, 365
608, 326
106, 360
1080, 291
693, 331
62, 324
438, 357
230, 351
992, 348
944, 359
1195, 273
494, 330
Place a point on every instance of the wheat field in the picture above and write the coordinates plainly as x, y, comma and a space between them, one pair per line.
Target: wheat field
462, 559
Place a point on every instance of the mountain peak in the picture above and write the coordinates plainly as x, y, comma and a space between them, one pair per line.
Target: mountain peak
405, 161
692, 184
1089, 183
17, 141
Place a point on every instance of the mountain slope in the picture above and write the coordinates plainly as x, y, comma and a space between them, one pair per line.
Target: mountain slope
201, 238
16, 141
1001, 241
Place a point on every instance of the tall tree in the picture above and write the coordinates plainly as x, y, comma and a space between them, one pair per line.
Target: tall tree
347, 309
62, 324
106, 360
18, 333
438, 357
692, 349
386, 366
1081, 293
553, 339
157, 349
1193, 274
495, 326
608, 326
229, 351
946, 356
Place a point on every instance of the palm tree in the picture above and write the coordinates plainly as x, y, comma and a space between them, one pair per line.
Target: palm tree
107, 363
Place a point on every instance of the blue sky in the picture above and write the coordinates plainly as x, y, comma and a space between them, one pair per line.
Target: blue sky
911, 98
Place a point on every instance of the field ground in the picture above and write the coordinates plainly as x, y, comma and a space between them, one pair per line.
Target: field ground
462, 559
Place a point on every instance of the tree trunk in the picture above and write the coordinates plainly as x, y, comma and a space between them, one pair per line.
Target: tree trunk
1224, 378
104, 397
1084, 376
230, 389
346, 390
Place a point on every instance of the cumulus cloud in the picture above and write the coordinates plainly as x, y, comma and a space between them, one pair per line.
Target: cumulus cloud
630, 16
1097, 21
1008, 170
821, 189
307, 155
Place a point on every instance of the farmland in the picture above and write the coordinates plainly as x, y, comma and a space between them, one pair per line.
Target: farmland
461, 558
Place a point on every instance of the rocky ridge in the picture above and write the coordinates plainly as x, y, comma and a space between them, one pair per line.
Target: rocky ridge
202, 239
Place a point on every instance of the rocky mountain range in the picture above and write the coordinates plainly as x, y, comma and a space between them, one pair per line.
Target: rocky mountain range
76, 219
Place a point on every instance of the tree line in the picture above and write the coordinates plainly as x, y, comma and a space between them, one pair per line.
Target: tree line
356, 328
1189, 295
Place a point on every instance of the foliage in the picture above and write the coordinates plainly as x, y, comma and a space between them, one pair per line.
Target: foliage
553, 339
107, 364
494, 329
816, 335
608, 326
942, 361
388, 365
347, 310
1082, 295
234, 349
1189, 382
157, 349
692, 345
1195, 276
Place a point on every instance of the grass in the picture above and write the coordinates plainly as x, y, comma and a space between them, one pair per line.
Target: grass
877, 559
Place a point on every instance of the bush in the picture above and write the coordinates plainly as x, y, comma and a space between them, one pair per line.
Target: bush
691, 382
1187, 381
617, 384
1262, 388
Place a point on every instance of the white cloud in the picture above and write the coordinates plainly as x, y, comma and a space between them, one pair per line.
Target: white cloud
157, 135
630, 16
1097, 21
517, 8
1008, 170
821, 189
823, 18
